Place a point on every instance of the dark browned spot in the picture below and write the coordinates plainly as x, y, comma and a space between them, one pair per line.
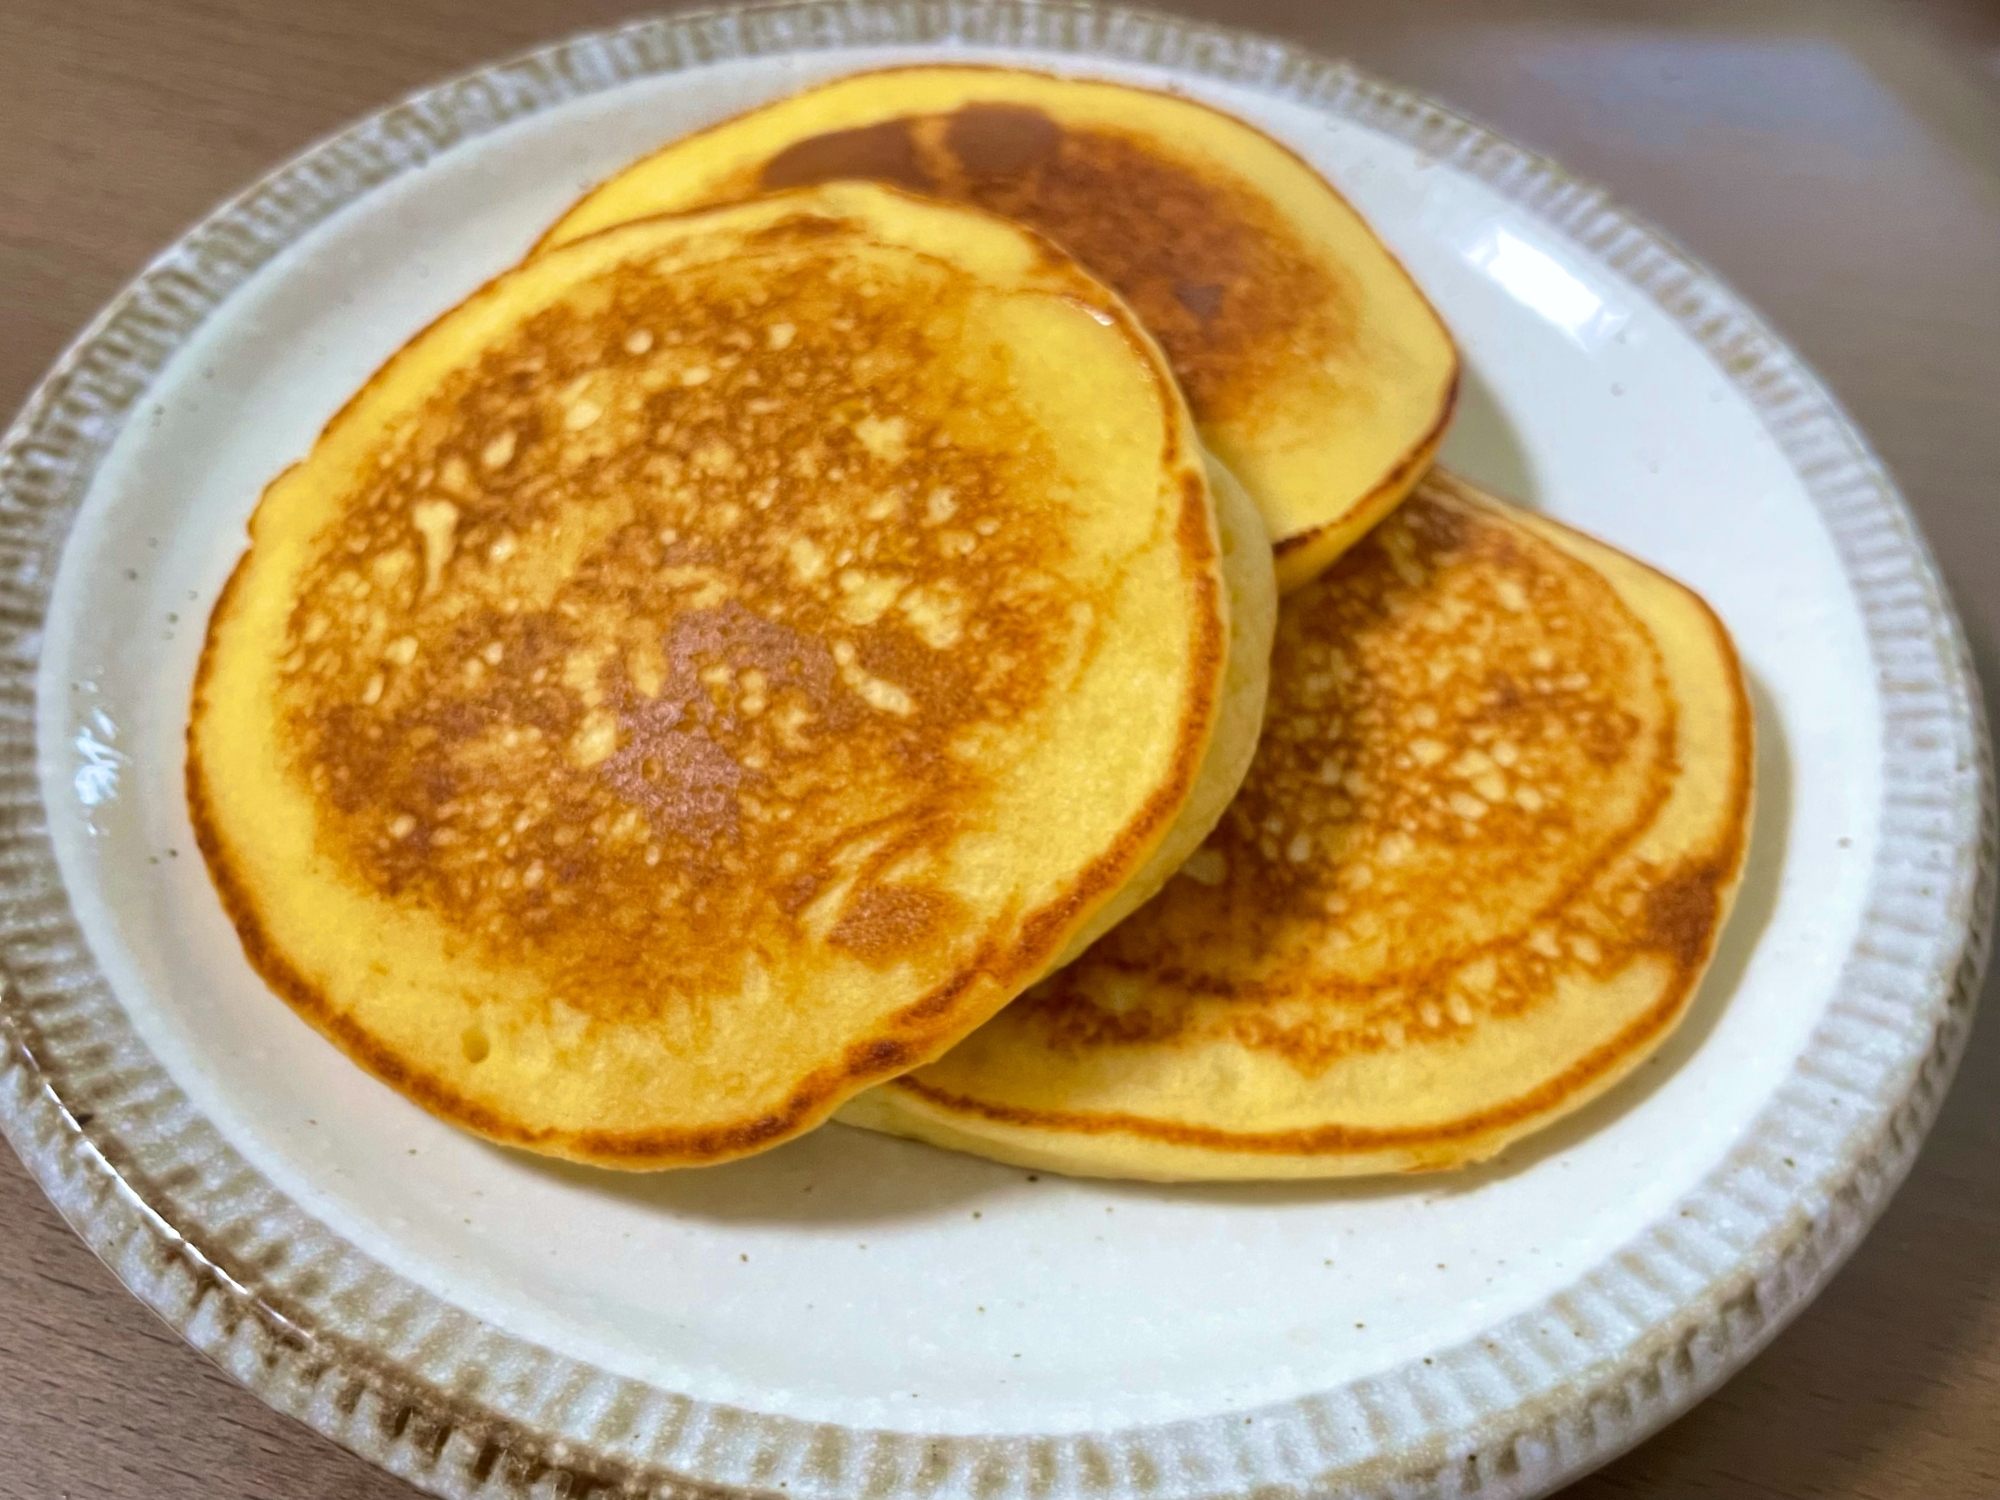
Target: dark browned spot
883, 923
886, 152
1681, 913
687, 783
877, 1057
1152, 223
1203, 301
999, 140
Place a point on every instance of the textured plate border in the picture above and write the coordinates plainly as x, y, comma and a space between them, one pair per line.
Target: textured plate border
403, 1379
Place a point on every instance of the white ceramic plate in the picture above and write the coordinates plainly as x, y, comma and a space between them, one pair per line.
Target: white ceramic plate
852, 1315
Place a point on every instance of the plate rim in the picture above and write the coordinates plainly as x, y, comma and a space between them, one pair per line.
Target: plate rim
200, 1237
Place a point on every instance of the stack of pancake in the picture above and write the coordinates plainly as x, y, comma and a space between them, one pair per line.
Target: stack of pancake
808, 640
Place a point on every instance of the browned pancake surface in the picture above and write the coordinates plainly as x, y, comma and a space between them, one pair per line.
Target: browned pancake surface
1214, 271
679, 713
1429, 783
1477, 867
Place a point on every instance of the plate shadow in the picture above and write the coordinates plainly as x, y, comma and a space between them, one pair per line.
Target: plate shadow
836, 1175
1483, 445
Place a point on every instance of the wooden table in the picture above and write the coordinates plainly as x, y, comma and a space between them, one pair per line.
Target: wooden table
1837, 160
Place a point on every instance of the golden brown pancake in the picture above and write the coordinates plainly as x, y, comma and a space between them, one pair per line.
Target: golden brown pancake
1316, 368
1493, 828
714, 668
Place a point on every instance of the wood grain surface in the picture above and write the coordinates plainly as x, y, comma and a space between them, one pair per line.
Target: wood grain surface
1837, 161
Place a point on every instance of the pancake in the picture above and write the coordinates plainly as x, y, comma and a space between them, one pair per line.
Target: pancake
714, 668
1494, 826
1251, 584
1315, 367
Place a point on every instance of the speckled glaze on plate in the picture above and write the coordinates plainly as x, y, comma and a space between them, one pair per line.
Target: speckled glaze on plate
855, 1316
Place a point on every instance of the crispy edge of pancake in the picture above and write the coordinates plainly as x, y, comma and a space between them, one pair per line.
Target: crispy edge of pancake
918, 1031
1149, 1149
1301, 555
